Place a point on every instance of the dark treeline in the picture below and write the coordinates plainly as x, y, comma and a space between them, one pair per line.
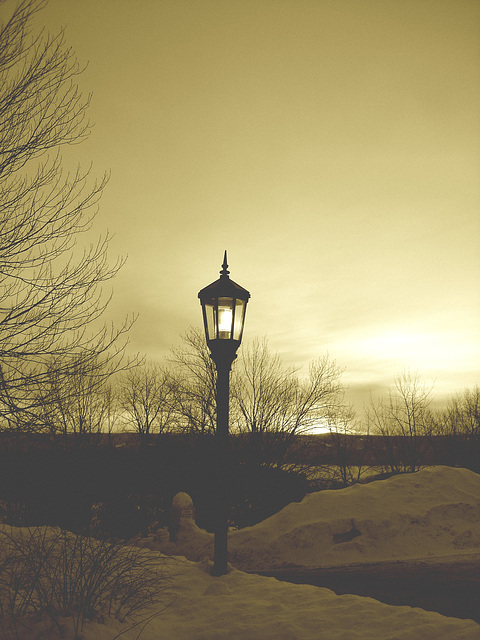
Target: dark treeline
123, 485
107, 453
120, 491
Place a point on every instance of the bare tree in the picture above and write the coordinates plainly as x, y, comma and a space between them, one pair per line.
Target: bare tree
48, 297
112, 413
269, 405
275, 405
459, 426
80, 404
349, 445
146, 397
404, 422
195, 385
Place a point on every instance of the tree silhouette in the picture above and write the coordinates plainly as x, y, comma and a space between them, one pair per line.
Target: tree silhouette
50, 293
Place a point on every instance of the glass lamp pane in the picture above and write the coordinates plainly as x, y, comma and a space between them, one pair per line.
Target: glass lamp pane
239, 318
210, 320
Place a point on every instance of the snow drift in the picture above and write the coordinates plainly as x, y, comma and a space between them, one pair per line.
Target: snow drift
434, 512
241, 606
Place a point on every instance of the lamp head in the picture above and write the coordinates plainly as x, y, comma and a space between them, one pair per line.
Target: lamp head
224, 304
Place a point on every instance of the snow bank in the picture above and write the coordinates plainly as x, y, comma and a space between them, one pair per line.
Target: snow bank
241, 606
435, 512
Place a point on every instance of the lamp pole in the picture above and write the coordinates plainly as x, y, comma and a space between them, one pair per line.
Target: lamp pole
220, 552
223, 306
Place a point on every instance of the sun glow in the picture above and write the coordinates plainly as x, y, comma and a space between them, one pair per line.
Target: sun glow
319, 428
412, 348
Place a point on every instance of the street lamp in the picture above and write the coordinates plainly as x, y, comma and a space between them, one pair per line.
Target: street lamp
224, 304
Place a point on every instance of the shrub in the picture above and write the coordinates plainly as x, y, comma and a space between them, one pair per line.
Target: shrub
54, 574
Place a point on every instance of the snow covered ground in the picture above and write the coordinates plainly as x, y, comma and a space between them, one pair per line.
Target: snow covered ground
431, 514
241, 606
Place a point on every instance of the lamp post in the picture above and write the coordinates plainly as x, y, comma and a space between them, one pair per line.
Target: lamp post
224, 304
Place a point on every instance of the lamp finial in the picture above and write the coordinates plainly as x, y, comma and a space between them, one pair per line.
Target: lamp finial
224, 271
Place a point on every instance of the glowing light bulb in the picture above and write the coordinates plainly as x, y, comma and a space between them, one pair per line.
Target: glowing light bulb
224, 321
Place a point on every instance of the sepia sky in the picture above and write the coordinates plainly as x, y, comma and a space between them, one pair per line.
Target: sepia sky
331, 146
